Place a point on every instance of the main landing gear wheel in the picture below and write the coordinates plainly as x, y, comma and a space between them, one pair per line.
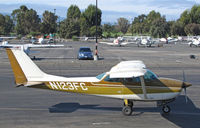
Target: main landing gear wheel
166, 109
127, 110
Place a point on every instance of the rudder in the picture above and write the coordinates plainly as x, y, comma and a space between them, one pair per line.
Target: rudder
19, 75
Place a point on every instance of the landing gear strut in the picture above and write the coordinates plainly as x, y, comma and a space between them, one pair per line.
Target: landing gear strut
127, 109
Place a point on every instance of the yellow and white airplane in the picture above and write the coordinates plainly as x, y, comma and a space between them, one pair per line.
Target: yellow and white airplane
128, 80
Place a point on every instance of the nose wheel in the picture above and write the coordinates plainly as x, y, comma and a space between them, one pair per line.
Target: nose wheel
166, 109
127, 109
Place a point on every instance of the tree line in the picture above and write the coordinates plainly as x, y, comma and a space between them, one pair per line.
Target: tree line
24, 21
156, 25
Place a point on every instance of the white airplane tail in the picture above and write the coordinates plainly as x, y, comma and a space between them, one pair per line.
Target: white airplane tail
23, 67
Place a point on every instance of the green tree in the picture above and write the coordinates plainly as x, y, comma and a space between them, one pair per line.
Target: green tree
88, 19
191, 16
192, 29
84, 27
159, 28
185, 17
73, 29
138, 24
177, 28
108, 30
90, 15
26, 20
71, 26
6, 24
123, 25
63, 26
194, 14
2, 24
32, 21
48, 24
93, 31
73, 13
107, 27
151, 17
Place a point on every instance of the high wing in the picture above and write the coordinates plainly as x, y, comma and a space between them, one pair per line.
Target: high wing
128, 69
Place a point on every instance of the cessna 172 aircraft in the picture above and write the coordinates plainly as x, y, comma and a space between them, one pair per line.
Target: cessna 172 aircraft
116, 42
26, 47
128, 80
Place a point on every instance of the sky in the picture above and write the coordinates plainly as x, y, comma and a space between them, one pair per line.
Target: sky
170, 8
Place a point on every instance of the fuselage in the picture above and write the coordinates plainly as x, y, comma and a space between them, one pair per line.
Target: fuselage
121, 88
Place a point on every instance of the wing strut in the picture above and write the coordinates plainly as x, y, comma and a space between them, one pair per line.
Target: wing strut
143, 87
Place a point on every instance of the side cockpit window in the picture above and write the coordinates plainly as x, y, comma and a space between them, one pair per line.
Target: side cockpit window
132, 80
111, 79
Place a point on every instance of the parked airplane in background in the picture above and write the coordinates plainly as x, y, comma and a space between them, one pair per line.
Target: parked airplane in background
26, 47
172, 40
120, 41
168, 40
149, 42
145, 42
6, 38
195, 43
128, 80
116, 42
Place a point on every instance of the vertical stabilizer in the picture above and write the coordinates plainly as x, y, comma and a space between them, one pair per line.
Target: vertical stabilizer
24, 68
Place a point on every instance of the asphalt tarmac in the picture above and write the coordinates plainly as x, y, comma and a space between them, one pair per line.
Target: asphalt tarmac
22, 107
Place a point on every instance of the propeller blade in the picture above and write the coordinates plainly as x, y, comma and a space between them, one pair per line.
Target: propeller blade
184, 80
185, 95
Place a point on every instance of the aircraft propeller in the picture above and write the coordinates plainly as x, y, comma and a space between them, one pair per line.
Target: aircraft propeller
184, 86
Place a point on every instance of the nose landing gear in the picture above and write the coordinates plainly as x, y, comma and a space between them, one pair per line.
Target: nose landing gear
166, 109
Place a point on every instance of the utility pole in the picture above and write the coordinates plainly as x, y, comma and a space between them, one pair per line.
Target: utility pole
96, 48
55, 27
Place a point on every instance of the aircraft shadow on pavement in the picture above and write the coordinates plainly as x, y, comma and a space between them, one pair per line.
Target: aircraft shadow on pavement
71, 107
185, 115
182, 114
54, 58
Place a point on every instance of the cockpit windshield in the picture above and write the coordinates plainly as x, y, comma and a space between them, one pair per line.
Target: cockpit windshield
149, 75
100, 76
